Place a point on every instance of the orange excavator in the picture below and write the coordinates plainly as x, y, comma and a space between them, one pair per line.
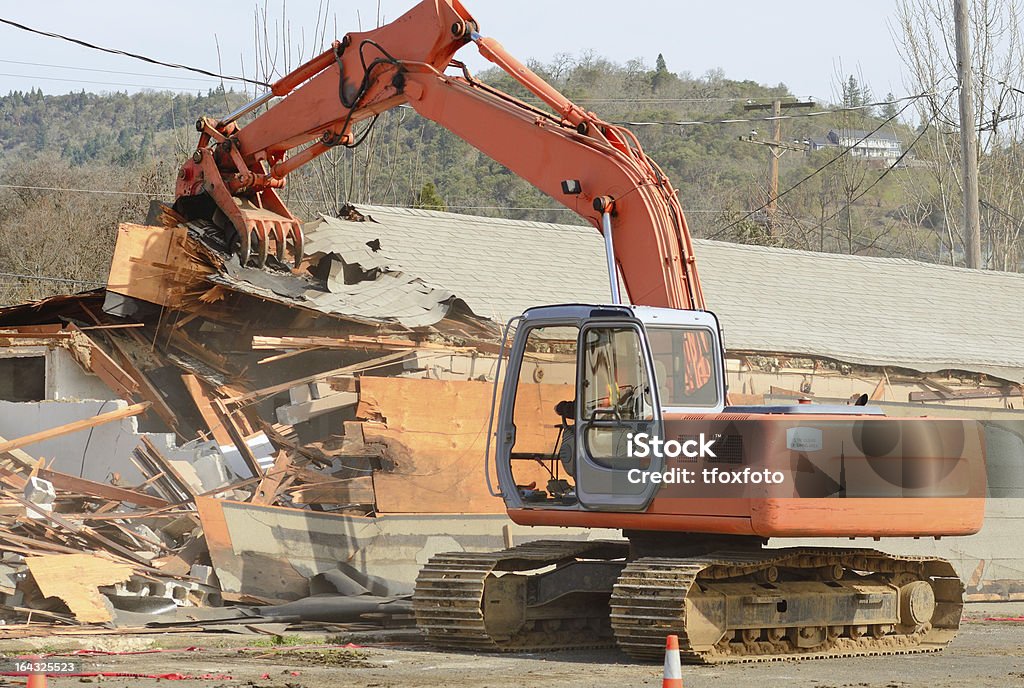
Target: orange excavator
622, 407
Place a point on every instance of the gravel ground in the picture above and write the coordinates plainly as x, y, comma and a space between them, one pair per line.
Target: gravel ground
986, 653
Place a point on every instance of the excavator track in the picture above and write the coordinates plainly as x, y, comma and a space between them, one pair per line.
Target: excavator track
742, 606
786, 604
468, 601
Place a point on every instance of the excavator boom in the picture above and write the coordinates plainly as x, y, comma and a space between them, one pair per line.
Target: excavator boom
592, 167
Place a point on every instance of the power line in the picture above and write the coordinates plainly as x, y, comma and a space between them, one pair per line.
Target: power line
774, 118
910, 100
308, 200
890, 168
92, 191
746, 99
135, 56
87, 81
106, 71
43, 278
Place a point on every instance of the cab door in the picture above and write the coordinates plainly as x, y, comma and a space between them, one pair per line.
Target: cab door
616, 401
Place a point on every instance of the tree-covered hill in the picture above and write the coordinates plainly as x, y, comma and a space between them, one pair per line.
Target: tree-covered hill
133, 143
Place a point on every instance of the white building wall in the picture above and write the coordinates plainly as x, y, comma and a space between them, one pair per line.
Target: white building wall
66, 380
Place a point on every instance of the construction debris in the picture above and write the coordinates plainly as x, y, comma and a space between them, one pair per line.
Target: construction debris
267, 389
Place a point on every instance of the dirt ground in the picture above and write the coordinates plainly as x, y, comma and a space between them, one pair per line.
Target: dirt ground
986, 653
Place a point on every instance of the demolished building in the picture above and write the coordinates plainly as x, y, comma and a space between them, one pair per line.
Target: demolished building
233, 434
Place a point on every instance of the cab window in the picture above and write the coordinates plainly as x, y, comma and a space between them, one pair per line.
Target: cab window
685, 366
615, 381
616, 392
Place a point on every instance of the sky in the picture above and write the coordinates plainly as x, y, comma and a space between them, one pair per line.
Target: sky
808, 45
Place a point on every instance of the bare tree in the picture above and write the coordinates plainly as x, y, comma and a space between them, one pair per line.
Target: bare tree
924, 35
67, 235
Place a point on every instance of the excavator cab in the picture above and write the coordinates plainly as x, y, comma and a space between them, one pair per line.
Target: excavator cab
582, 383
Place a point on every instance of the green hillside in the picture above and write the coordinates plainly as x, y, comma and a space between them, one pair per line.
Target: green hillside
134, 143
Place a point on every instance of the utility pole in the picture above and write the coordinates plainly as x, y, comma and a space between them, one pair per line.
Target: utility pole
968, 137
775, 150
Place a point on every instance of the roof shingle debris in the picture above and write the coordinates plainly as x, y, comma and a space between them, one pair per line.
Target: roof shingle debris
347, 278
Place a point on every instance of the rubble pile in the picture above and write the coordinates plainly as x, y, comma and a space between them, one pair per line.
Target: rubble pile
263, 389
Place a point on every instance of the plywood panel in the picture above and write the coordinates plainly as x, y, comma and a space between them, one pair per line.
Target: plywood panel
76, 579
150, 263
435, 434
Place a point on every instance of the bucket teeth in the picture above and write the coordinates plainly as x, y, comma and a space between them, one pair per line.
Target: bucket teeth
298, 240
244, 247
261, 244
254, 245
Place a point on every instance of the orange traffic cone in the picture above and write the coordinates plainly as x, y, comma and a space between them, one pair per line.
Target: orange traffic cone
36, 679
673, 671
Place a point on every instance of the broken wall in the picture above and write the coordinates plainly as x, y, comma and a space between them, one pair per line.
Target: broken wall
96, 453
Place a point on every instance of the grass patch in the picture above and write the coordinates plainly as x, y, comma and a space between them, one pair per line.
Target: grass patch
285, 641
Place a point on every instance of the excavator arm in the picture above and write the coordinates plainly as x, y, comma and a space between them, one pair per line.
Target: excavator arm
592, 167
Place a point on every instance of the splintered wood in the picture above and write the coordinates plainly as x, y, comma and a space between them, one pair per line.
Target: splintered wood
76, 579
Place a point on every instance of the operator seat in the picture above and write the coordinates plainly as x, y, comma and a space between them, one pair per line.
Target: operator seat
567, 447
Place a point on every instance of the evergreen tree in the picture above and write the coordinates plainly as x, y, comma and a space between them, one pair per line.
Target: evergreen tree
661, 75
889, 110
852, 96
429, 199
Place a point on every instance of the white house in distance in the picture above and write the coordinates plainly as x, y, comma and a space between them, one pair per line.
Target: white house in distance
879, 145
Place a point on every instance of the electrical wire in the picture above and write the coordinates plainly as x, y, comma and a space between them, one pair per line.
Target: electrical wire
736, 99
107, 192
105, 71
135, 56
165, 87
43, 278
89, 191
823, 167
891, 167
773, 118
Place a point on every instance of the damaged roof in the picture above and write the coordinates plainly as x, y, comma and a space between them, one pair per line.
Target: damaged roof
355, 282
860, 310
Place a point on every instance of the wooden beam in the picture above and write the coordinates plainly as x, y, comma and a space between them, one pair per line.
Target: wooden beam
104, 367
348, 342
72, 483
146, 389
112, 327
347, 370
76, 426
201, 399
237, 437
266, 492
879, 393
180, 340
16, 465
158, 458
83, 531
964, 394
287, 354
